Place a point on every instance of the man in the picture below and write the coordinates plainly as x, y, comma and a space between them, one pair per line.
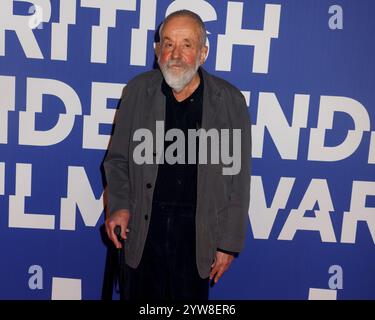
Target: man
185, 220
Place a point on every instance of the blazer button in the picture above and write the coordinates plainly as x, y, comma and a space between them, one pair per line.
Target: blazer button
146, 217
148, 185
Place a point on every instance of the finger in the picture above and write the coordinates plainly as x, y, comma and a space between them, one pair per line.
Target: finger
213, 271
218, 275
123, 232
111, 234
114, 239
107, 228
108, 231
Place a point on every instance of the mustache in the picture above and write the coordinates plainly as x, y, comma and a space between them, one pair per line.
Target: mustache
176, 63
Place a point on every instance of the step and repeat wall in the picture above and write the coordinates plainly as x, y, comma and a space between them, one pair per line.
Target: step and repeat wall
307, 71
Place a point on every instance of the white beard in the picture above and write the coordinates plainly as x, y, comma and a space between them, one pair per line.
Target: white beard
178, 80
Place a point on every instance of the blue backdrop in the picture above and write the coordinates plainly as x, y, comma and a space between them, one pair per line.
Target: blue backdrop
307, 71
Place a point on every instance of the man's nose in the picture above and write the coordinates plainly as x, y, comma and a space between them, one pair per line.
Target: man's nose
176, 53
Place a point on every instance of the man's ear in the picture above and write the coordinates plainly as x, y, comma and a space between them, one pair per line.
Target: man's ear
157, 49
203, 54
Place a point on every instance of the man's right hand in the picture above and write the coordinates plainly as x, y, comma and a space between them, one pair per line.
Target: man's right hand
118, 218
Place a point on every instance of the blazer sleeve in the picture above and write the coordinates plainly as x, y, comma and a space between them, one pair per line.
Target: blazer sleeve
233, 221
116, 163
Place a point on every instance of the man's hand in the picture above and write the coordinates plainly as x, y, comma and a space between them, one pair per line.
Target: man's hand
119, 218
220, 265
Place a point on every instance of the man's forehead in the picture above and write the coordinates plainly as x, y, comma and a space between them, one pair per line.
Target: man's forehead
180, 23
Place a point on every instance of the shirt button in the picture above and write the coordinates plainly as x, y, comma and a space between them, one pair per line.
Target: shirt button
148, 185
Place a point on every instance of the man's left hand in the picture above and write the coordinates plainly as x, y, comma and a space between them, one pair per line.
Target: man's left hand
220, 265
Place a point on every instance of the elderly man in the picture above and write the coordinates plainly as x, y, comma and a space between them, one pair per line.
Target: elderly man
183, 221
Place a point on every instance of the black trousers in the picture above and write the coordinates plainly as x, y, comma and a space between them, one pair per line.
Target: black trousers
168, 269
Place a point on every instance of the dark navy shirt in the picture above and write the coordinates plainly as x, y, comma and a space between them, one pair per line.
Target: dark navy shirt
177, 183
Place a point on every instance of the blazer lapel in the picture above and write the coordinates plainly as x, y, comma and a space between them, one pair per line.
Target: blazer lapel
211, 101
212, 104
156, 112
156, 99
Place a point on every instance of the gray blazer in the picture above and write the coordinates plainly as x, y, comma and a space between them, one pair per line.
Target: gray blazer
222, 200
